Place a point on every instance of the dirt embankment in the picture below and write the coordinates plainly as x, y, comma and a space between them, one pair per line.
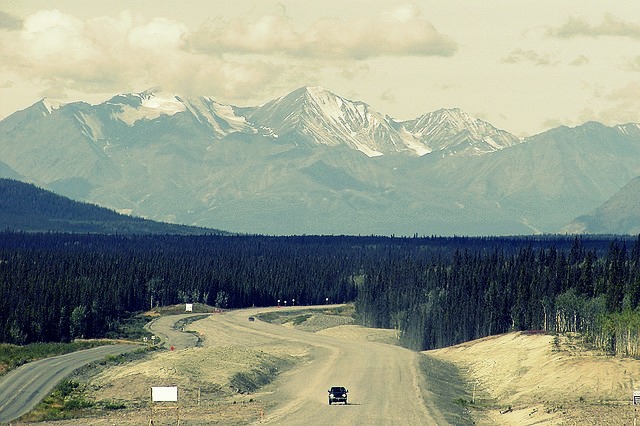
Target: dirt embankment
523, 379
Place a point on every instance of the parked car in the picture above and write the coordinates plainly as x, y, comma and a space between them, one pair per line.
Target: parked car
252, 319
338, 394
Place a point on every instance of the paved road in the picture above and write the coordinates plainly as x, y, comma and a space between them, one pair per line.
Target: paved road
23, 388
384, 381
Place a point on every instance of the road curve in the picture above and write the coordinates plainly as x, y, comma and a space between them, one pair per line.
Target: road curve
23, 388
164, 327
384, 381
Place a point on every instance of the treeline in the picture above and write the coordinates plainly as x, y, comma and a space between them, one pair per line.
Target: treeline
436, 302
59, 287
436, 291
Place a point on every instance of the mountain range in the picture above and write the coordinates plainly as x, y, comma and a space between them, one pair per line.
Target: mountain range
312, 162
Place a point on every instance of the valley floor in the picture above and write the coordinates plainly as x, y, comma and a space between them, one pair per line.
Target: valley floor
512, 379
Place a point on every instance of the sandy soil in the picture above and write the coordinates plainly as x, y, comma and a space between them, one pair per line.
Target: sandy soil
522, 379
204, 374
514, 379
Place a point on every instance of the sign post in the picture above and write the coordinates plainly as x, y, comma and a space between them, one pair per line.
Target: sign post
164, 394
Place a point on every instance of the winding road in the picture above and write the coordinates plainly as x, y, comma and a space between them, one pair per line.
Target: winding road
164, 328
384, 381
23, 388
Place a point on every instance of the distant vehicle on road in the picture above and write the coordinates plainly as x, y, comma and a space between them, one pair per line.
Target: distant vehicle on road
338, 394
252, 319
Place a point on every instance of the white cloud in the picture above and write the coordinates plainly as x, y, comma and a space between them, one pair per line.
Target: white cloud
159, 34
235, 59
110, 54
396, 32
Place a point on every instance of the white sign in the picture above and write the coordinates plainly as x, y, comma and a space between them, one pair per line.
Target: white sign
188, 307
636, 397
164, 393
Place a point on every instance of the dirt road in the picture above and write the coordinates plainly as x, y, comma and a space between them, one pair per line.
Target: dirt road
383, 380
164, 328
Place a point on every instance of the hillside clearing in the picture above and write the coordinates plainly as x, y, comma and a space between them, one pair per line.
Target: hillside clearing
526, 379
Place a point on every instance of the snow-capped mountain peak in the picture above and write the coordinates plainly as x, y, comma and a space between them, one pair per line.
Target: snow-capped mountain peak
305, 157
320, 117
453, 131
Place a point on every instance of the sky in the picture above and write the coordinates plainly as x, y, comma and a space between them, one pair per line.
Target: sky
524, 66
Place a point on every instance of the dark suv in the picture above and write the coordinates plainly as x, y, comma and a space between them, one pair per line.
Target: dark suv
338, 394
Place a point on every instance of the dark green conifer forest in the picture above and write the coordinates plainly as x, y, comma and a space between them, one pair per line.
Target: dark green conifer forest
435, 291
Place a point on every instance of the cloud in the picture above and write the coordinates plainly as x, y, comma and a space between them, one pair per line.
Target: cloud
238, 60
621, 106
401, 31
610, 26
580, 61
388, 96
104, 54
9, 22
520, 55
633, 65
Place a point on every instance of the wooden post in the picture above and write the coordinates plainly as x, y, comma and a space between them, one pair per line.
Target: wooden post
151, 407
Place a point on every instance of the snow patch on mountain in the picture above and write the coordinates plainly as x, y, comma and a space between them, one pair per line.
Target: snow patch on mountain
91, 125
221, 119
149, 106
50, 105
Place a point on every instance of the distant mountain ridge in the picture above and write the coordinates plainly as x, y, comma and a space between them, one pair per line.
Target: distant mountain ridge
25, 207
314, 162
621, 213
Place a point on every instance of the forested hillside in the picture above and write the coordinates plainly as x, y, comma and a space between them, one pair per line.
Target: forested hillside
25, 207
434, 291
435, 302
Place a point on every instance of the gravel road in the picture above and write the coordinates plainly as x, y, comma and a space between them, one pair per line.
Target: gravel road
383, 380
163, 327
23, 388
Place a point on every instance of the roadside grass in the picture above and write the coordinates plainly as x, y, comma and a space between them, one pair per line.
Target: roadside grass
445, 386
132, 328
13, 356
69, 398
267, 369
66, 401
